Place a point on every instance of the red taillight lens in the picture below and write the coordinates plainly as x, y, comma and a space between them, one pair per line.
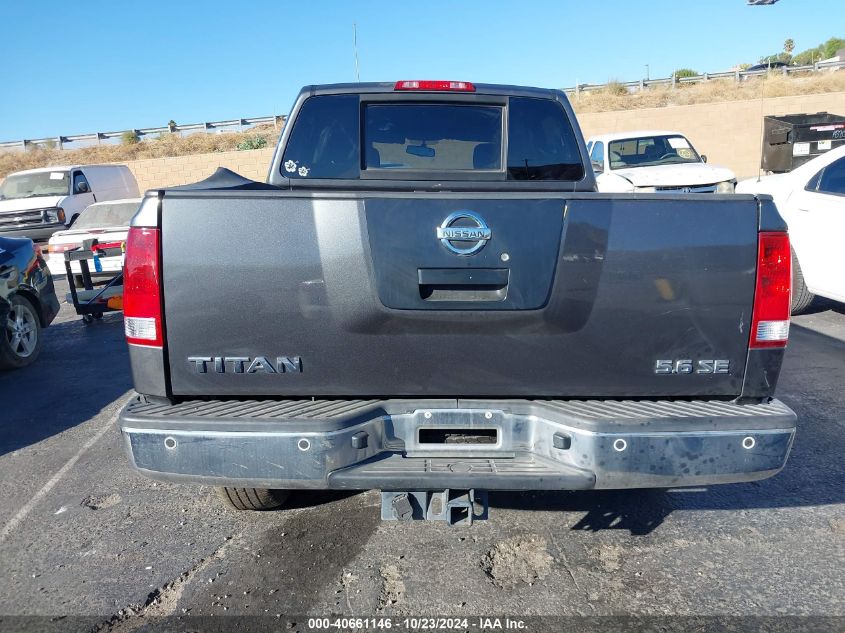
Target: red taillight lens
437, 86
141, 294
104, 245
772, 296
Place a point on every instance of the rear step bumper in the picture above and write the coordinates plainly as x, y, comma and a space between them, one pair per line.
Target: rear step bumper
481, 444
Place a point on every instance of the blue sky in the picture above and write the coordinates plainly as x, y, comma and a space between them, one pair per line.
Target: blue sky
104, 65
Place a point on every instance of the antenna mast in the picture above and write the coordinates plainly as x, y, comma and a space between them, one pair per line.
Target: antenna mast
355, 49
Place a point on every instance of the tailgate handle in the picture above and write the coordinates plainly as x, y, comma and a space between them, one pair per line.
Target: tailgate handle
463, 284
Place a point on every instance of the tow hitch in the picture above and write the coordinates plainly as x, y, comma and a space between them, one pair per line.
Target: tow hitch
456, 507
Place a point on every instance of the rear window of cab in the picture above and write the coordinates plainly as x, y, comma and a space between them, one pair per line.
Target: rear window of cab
343, 137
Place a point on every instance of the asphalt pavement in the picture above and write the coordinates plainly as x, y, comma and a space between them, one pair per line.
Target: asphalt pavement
88, 544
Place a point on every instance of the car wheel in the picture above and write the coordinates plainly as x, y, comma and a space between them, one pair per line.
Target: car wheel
253, 498
801, 297
20, 341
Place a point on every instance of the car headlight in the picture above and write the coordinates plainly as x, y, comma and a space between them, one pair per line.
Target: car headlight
54, 215
728, 186
645, 189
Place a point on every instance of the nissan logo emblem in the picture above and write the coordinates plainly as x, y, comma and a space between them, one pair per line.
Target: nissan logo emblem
464, 233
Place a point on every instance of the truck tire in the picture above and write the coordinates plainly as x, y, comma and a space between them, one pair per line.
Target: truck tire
801, 297
253, 498
20, 337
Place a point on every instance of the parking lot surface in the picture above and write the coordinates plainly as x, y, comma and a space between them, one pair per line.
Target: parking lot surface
84, 536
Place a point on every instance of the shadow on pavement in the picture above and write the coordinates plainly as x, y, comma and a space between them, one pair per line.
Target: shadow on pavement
81, 369
316, 498
820, 304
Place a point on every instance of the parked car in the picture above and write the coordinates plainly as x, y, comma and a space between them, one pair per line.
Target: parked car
654, 161
28, 301
107, 222
38, 202
428, 295
773, 65
812, 201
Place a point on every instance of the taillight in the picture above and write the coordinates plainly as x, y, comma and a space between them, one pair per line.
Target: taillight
61, 248
772, 296
141, 294
436, 86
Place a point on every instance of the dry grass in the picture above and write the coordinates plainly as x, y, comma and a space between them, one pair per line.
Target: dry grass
165, 146
774, 85
611, 98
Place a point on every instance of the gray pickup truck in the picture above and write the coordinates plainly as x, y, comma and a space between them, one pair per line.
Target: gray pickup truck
428, 297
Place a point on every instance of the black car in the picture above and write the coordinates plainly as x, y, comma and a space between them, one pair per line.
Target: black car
767, 66
28, 301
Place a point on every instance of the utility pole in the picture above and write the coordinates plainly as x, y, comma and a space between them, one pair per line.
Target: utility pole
647, 77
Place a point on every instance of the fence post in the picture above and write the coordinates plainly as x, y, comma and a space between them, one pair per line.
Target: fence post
736, 75
59, 143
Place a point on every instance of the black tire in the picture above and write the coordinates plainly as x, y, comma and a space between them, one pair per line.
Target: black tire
801, 297
19, 348
253, 498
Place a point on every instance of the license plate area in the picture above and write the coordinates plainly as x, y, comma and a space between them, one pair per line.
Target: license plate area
453, 435
450, 432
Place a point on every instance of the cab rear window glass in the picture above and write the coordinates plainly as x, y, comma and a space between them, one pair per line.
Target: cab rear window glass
324, 139
541, 143
339, 137
433, 137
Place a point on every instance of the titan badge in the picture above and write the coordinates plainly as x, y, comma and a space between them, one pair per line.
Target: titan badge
246, 365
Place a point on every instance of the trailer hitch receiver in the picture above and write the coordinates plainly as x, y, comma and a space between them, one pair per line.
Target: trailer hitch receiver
456, 507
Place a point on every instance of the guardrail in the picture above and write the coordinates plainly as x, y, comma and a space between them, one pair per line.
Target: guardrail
61, 142
736, 75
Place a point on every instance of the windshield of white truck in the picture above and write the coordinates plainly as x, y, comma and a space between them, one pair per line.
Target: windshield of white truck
336, 136
648, 151
110, 214
43, 183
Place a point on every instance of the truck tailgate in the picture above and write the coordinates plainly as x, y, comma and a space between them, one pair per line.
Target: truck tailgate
356, 295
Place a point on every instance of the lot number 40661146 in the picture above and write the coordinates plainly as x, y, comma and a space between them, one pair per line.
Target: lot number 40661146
688, 366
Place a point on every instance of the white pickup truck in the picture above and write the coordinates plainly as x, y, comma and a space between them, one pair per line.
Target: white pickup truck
651, 161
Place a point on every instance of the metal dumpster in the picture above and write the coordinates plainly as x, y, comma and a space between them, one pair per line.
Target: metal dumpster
791, 140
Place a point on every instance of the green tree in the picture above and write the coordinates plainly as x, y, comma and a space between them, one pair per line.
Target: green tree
686, 72
829, 48
788, 47
129, 137
822, 51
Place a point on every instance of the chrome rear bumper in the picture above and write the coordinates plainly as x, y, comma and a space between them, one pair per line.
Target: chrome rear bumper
535, 444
